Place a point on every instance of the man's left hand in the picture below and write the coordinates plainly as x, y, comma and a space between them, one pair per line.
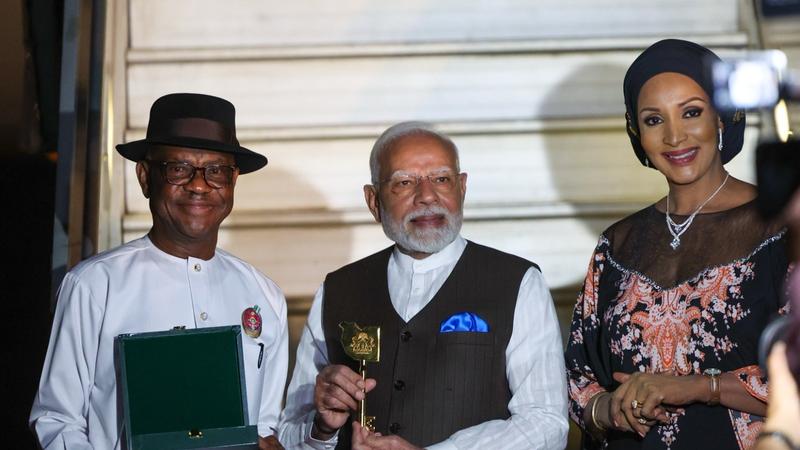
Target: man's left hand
363, 439
269, 443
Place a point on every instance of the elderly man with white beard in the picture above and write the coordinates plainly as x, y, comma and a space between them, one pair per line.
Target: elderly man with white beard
470, 352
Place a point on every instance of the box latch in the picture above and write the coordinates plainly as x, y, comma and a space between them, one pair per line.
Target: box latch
195, 434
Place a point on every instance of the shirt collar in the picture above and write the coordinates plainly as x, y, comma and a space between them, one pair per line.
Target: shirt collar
448, 255
175, 259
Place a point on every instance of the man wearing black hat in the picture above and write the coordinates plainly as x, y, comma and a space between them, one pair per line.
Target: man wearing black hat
187, 167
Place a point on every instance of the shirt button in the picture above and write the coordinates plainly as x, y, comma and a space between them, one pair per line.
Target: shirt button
399, 385
203, 315
394, 427
197, 267
405, 336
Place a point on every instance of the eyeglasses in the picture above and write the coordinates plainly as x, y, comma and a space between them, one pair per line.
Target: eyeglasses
405, 184
180, 173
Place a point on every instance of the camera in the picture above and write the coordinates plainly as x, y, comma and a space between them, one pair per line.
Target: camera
753, 81
761, 80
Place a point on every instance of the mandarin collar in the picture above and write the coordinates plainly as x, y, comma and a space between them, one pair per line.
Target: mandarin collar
175, 259
447, 255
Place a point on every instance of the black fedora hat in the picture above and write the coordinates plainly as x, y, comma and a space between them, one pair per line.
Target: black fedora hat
196, 121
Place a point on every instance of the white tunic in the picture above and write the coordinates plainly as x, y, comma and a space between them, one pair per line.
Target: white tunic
138, 288
534, 362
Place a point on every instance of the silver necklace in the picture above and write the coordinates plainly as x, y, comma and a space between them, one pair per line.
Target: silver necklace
677, 229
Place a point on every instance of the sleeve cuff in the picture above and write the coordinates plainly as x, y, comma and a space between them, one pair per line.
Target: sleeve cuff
753, 381
317, 444
444, 445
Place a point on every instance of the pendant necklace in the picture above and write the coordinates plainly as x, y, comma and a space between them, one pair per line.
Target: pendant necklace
677, 229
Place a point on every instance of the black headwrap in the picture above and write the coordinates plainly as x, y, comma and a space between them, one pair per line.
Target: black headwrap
687, 58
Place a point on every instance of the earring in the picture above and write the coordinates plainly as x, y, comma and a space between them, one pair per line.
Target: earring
719, 146
646, 162
630, 125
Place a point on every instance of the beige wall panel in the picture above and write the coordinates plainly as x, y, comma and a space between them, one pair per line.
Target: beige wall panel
330, 92
233, 23
379, 90
793, 53
298, 258
504, 170
781, 32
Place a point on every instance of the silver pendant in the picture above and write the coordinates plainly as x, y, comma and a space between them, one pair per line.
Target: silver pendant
676, 242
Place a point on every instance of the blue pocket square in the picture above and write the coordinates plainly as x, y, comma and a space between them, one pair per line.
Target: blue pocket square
464, 321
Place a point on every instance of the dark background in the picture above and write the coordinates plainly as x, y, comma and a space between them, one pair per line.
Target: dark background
29, 92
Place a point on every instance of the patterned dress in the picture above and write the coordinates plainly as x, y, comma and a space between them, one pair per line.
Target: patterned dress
646, 307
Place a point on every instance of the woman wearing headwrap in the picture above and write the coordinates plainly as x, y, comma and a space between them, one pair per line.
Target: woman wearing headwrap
663, 345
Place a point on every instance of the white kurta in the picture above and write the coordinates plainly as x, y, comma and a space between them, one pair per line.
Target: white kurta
138, 288
534, 361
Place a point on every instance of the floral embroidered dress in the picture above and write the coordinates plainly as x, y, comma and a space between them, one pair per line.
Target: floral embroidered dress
646, 307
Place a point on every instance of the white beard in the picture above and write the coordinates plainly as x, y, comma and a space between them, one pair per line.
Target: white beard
427, 240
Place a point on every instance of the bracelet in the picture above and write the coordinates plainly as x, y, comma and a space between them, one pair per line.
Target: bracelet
713, 376
593, 413
779, 435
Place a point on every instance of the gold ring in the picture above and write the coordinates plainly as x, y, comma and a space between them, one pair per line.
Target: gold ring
642, 420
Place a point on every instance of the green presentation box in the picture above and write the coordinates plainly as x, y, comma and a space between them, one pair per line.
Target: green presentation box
184, 389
